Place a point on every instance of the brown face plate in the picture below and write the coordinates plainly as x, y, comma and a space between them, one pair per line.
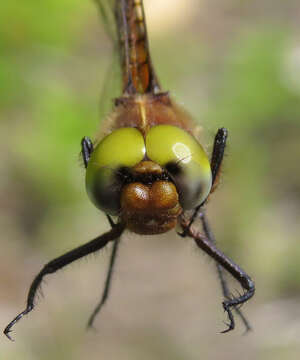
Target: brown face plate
150, 208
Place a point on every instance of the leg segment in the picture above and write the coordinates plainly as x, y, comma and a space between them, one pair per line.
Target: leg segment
107, 283
86, 149
218, 154
215, 164
110, 220
62, 261
239, 274
225, 290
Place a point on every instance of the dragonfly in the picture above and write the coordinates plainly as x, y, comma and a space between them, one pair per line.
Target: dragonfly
148, 171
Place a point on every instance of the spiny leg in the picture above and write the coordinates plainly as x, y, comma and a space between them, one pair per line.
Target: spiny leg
218, 155
225, 290
107, 283
215, 164
86, 149
240, 275
62, 261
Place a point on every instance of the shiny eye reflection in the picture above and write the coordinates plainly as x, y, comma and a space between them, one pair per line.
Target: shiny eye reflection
182, 152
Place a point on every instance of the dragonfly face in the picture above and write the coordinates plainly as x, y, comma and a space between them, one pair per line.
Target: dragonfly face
147, 174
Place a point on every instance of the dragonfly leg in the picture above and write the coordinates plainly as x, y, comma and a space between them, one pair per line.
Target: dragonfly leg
239, 274
110, 220
86, 149
215, 164
108, 277
218, 155
107, 285
225, 290
62, 261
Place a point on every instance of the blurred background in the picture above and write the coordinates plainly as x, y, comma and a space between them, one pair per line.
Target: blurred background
230, 63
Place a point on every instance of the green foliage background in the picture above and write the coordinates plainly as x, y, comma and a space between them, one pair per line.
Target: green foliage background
231, 63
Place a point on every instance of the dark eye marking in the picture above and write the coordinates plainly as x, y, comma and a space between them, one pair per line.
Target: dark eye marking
124, 175
174, 168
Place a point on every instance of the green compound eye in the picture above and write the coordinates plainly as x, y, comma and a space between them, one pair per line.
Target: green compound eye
184, 158
124, 147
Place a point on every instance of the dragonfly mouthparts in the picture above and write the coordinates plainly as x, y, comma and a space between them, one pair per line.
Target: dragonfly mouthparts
145, 172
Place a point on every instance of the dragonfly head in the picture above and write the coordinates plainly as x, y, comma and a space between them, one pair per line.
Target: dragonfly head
148, 180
